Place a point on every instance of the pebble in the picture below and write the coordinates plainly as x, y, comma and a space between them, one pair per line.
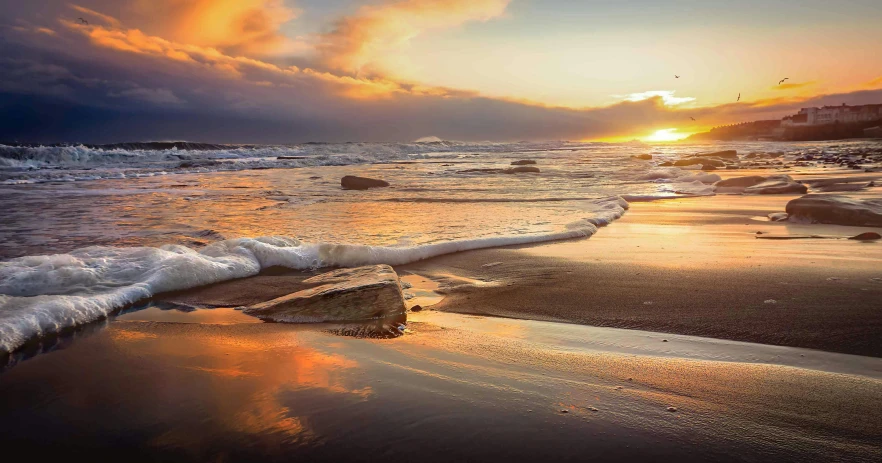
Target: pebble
770, 301
664, 340
672, 409
563, 410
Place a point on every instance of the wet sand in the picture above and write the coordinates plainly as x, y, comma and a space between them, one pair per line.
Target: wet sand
455, 387
688, 266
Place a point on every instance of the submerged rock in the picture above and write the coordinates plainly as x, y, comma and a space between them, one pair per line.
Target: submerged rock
837, 209
523, 162
351, 182
727, 154
644, 157
702, 161
777, 184
352, 294
521, 170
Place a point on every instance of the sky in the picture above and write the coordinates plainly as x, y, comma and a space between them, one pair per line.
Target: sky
287, 71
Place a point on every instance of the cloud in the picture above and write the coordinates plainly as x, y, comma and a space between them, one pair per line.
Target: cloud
357, 42
667, 97
92, 14
157, 96
875, 83
246, 27
104, 83
794, 85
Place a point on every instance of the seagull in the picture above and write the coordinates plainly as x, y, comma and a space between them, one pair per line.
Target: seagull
676, 76
739, 97
782, 80
690, 117
83, 21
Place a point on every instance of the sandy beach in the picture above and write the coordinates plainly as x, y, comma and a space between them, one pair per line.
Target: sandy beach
688, 266
692, 328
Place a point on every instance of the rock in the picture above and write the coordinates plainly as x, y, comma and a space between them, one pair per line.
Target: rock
666, 164
416, 308
742, 182
868, 236
778, 216
352, 294
644, 157
736, 185
708, 168
290, 158
726, 154
351, 182
837, 187
837, 209
564, 410
520, 170
777, 184
702, 161
672, 409
523, 162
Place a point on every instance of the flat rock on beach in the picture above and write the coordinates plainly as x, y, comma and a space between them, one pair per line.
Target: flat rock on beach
355, 294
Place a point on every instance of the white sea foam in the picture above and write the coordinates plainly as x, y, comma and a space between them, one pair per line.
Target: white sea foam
41, 295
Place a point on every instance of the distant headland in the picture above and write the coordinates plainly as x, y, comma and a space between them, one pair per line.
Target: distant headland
809, 124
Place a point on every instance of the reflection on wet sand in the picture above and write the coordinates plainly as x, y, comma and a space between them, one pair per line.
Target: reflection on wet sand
490, 387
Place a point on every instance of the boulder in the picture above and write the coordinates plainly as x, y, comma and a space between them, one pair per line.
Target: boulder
523, 162
521, 170
644, 157
345, 295
702, 161
351, 182
868, 236
777, 184
837, 209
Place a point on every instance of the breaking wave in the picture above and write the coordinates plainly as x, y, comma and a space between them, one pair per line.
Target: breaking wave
42, 295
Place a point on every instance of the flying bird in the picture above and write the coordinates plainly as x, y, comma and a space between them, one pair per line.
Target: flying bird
83, 21
676, 76
782, 80
739, 97
690, 117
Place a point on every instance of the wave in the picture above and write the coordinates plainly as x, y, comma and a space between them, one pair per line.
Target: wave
41, 295
35, 164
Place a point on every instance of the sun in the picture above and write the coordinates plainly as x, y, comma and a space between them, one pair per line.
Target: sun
666, 135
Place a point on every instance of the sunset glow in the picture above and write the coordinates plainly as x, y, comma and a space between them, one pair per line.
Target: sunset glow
446, 67
664, 135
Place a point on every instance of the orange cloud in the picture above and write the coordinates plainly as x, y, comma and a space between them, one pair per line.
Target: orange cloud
875, 83
358, 41
235, 26
258, 72
794, 85
110, 20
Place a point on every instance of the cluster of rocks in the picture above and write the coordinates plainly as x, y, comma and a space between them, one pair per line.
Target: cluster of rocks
844, 156
852, 158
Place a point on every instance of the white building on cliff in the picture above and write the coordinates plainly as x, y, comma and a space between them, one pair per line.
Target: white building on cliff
834, 114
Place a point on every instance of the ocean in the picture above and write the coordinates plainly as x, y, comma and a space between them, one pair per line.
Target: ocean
85, 231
